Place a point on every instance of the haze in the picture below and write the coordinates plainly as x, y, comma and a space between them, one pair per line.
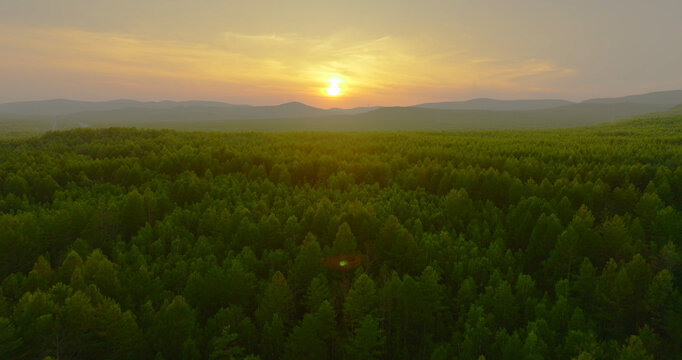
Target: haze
386, 52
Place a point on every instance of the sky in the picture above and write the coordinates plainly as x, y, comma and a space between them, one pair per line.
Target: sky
387, 52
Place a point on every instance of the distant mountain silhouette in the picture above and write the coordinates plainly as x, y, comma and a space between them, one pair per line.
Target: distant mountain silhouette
493, 104
40, 116
669, 98
176, 109
205, 113
382, 119
58, 107
415, 118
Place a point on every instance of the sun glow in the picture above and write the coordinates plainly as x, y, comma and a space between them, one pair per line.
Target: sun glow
334, 89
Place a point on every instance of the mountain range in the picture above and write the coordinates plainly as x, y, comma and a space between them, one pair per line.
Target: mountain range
295, 116
498, 105
210, 109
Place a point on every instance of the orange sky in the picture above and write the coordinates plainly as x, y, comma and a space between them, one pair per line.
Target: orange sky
384, 52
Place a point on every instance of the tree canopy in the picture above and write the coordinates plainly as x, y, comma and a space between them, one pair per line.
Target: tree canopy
124, 243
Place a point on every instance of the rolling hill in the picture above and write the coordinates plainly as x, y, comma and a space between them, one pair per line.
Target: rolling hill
57, 107
667, 98
498, 105
677, 110
178, 109
382, 119
33, 118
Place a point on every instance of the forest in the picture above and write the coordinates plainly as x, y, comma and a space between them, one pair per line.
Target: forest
123, 243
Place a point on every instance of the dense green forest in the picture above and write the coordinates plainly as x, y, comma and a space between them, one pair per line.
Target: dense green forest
554, 244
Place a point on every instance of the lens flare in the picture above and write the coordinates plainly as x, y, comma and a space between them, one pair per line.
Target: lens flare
344, 262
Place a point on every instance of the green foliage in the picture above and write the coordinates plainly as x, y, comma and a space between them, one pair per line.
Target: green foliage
361, 301
367, 342
277, 300
344, 242
314, 337
125, 243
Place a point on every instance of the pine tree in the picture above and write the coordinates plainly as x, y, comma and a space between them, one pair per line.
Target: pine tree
277, 299
368, 341
345, 240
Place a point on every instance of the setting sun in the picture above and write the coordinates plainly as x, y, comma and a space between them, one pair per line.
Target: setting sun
334, 89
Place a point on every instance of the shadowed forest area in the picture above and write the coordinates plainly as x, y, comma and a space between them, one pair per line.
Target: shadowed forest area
557, 244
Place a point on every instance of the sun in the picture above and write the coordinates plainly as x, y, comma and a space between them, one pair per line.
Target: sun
334, 89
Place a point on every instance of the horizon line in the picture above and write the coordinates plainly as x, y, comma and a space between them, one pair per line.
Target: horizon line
331, 108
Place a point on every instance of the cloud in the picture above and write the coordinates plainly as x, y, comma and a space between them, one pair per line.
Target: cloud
385, 69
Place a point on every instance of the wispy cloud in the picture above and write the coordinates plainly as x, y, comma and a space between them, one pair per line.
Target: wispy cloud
382, 69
